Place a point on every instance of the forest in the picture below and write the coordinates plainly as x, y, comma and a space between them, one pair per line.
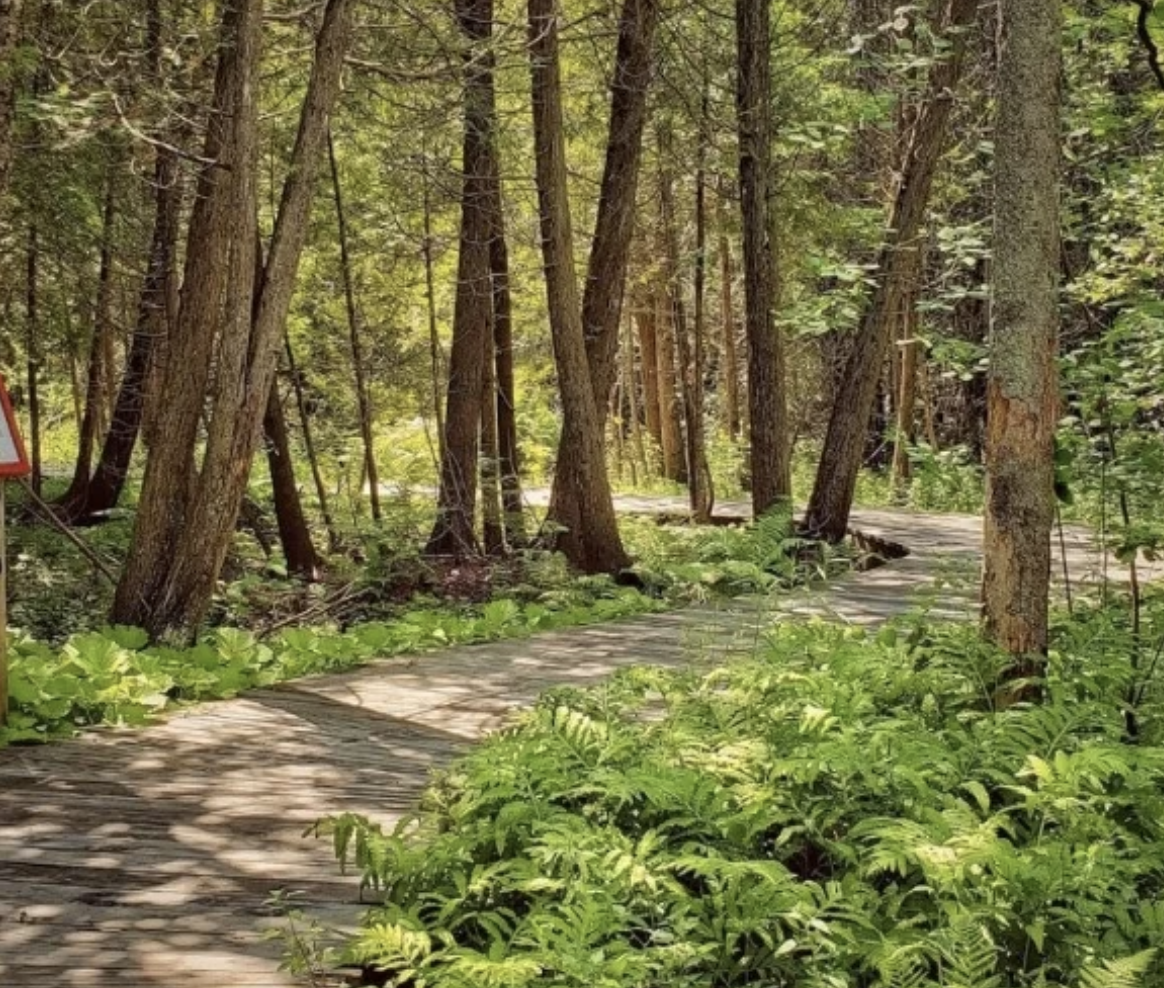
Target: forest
345, 329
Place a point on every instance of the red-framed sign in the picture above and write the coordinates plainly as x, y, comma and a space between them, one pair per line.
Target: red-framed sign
13, 459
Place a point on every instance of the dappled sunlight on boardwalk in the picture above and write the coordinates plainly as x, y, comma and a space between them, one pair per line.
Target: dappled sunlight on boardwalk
144, 859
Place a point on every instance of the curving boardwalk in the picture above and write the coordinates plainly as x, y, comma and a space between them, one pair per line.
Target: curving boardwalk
137, 859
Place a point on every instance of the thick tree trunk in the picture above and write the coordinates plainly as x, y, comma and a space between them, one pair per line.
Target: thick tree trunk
646, 324
454, 533
613, 229
771, 470
9, 38
74, 501
584, 526
363, 398
294, 534
836, 479
186, 516
1022, 386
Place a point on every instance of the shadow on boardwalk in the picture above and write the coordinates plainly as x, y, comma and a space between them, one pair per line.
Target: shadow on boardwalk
142, 859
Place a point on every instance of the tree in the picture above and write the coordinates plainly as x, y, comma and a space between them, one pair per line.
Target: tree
1022, 396
840, 463
454, 533
767, 402
9, 38
588, 529
227, 322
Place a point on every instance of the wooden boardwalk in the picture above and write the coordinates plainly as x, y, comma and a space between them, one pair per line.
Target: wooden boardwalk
144, 858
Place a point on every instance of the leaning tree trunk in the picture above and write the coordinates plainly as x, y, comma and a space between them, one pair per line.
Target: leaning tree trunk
1022, 406
298, 548
186, 515
771, 469
586, 528
74, 501
454, 533
836, 478
613, 230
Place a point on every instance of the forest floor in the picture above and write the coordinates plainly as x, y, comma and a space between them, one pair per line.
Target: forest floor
147, 858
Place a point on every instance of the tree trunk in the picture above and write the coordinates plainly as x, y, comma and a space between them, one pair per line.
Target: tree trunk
638, 456
333, 539
836, 479
1022, 387
670, 417
72, 504
613, 230
9, 38
585, 526
771, 471
298, 549
434, 339
907, 363
493, 528
186, 515
32, 328
508, 456
454, 532
691, 363
729, 362
363, 398
645, 321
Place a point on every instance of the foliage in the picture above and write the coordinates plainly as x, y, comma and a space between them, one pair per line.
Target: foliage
115, 677
843, 810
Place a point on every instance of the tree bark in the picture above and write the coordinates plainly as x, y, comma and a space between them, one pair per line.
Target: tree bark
585, 526
729, 362
1022, 386
434, 339
613, 229
836, 479
508, 452
74, 501
294, 534
670, 418
363, 398
333, 539
454, 533
492, 525
644, 315
186, 515
771, 471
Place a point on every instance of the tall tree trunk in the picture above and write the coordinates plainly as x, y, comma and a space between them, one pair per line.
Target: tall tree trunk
454, 532
729, 362
186, 515
613, 229
434, 339
691, 363
670, 417
363, 398
508, 455
75, 499
638, 456
1022, 387
298, 549
771, 470
493, 528
9, 38
585, 523
836, 478
644, 315
907, 364
32, 328
333, 539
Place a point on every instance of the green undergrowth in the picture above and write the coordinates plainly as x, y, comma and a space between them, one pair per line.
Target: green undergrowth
114, 676
843, 809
